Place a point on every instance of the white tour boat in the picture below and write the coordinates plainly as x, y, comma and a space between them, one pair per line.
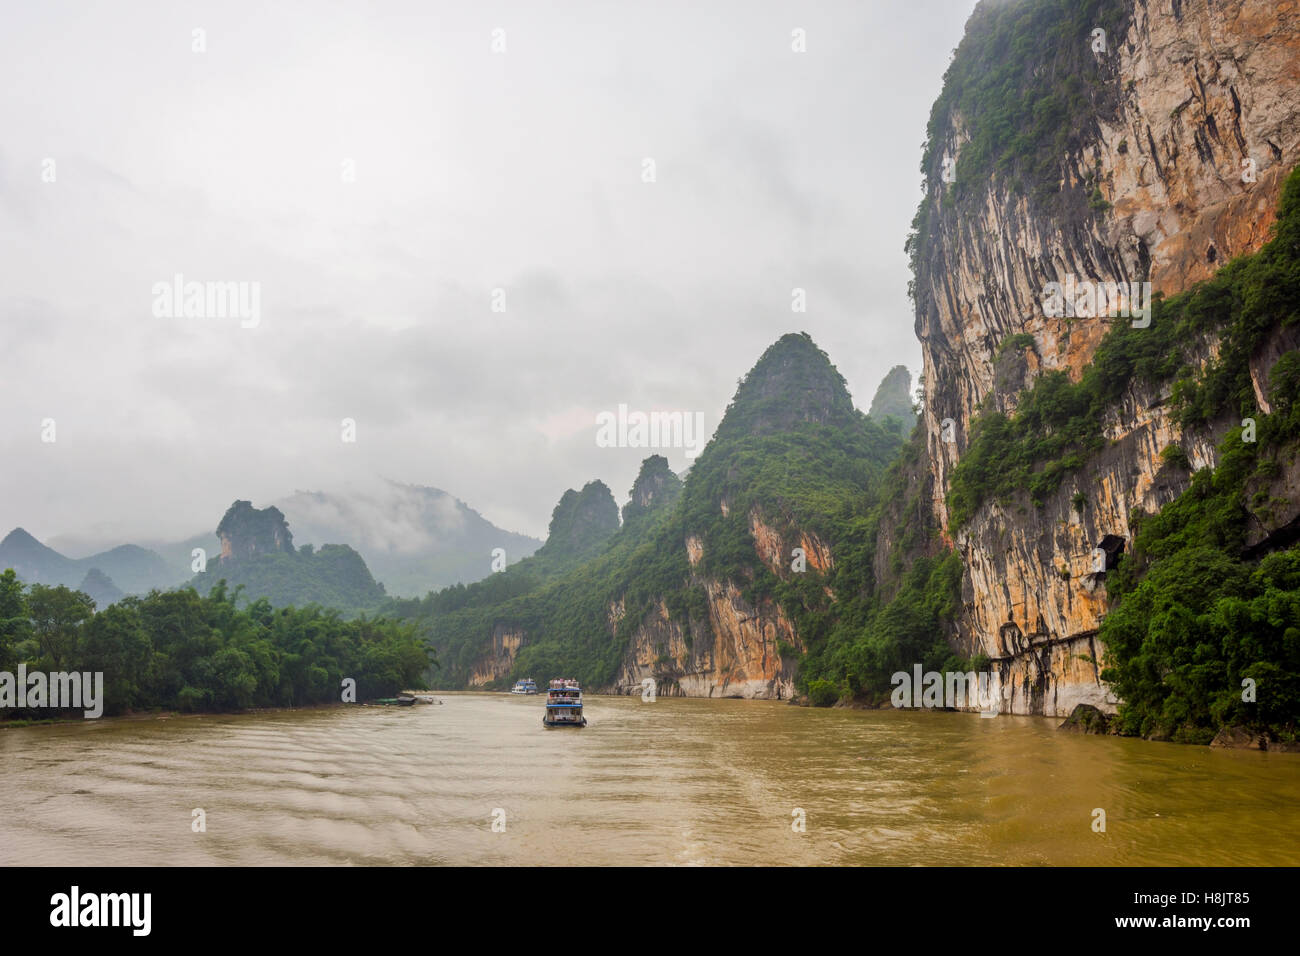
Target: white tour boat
564, 704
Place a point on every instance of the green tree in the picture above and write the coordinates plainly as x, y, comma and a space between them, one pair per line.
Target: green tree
56, 617
15, 621
114, 642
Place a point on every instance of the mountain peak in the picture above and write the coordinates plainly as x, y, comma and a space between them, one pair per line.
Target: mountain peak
894, 398
793, 382
22, 552
18, 536
582, 520
246, 532
101, 588
655, 487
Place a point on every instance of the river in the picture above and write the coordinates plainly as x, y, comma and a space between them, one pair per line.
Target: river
674, 781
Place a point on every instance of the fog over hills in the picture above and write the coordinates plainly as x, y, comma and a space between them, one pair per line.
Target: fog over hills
413, 538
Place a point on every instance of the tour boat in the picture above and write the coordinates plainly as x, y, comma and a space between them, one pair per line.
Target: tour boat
564, 704
526, 686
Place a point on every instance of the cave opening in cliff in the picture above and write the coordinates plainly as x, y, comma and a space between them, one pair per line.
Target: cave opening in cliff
1111, 547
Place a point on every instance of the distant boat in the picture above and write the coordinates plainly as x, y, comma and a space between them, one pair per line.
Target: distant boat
564, 704
402, 701
526, 686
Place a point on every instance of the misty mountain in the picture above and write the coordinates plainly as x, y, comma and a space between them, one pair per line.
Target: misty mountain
133, 569
413, 538
258, 555
101, 588
893, 398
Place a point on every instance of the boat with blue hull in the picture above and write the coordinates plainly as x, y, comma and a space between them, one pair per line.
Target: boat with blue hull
564, 704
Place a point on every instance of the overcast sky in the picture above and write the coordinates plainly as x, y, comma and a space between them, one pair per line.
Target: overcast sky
474, 170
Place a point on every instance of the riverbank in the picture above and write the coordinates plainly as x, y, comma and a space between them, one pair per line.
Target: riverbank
146, 716
152, 715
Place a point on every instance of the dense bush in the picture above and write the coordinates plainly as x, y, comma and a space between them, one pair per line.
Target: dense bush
823, 693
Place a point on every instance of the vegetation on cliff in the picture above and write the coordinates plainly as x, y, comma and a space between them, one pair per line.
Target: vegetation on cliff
1208, 597
1058, 424
656, 486
1021, 82
1027, 89
177, 650
1206, 633
582, 522
889, 618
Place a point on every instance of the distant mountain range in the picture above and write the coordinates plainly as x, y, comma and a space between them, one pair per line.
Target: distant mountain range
129, 567
412, 538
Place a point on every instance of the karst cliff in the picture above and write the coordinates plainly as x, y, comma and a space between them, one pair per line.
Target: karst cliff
1171, 166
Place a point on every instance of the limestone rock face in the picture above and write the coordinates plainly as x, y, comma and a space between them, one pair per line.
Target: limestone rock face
1208, 91
777, 549
246, 532
735, 655
495, 664
733, 651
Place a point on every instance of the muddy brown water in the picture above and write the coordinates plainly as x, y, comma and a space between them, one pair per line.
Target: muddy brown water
675, 781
